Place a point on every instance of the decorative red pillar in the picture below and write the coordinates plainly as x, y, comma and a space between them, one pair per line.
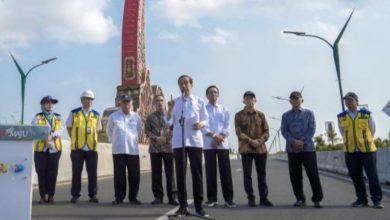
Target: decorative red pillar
135, 77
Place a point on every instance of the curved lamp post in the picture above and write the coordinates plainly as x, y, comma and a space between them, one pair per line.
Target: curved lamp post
335, 49
24, 79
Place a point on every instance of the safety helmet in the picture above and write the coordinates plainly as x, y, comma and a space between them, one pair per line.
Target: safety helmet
88, 94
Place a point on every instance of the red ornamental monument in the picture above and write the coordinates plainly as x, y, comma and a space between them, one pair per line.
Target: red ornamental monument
135, 74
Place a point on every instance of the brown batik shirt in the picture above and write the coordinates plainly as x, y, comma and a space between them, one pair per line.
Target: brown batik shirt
251, 126
156, 126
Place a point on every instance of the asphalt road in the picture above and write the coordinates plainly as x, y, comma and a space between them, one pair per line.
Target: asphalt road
338, 192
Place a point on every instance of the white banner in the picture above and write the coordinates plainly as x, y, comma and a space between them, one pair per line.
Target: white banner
16, 161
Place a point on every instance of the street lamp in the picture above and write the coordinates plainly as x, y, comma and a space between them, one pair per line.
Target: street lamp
23, 77
285, 99
335, 48
280, 98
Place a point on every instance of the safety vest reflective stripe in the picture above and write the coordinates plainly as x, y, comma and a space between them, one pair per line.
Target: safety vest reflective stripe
84, 130
357, 134
56, 125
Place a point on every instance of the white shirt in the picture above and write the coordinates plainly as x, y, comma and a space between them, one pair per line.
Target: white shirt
218, 124
69, 122
53, 135
124, 132
194, 111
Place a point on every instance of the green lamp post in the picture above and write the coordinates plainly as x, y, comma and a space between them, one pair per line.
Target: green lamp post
335, 49
23, 77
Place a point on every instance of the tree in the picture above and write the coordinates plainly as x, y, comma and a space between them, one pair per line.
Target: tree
332, 135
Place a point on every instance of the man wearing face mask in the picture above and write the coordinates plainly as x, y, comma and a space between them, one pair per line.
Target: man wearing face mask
124, 129
190, 112
47, 153
298, 128
83, 125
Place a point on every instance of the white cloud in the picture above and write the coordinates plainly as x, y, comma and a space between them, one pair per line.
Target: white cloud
74, 21
218, 37
190, 12
169, 36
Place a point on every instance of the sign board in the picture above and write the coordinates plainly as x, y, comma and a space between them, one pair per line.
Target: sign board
329, 126
386, 109
16, 161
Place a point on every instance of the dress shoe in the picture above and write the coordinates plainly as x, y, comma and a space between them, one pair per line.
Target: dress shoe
318, 205
251, 202
360, 203
173, 202
182, 211
156, 202
266, 202
42, 200
50, 200
117, 202
299, 203
93, 199
135, 202
74, 199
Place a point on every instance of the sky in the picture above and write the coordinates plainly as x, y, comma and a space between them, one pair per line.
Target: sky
237, 45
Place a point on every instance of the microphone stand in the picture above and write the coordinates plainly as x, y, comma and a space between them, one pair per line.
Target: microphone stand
185, 211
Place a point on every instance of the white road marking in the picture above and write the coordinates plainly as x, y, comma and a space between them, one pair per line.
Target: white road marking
172, 211
238, 170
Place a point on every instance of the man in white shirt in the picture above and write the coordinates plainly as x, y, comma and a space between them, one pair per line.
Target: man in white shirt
216, 146
187, 114
83, 125
124, 129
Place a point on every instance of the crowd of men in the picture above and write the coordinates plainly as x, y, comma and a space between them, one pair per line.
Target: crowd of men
192, 128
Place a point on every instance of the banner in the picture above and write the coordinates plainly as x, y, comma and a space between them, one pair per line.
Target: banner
16, 161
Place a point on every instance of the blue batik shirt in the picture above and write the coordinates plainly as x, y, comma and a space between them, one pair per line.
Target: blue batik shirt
299, 125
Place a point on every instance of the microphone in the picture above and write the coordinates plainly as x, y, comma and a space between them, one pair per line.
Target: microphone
182, 89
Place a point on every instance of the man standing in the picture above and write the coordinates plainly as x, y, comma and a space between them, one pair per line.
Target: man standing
47, 153
188, 115
358, 129
124, 129
83, 125
216, 147
298, 128
252, 131
160, 149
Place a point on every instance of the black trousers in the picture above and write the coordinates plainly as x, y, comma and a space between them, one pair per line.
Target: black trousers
225, 174
260, 163
91, 159
195, 156
157, 160
358, 161
131, 162
309, 162
46, 166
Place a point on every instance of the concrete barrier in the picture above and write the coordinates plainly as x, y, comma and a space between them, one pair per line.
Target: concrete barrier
334, 161
105, 164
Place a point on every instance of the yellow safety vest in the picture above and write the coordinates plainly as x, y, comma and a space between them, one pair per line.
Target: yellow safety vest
56, 125
357, 134
84, 129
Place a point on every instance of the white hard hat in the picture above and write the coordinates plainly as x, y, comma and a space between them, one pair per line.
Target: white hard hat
88, 94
